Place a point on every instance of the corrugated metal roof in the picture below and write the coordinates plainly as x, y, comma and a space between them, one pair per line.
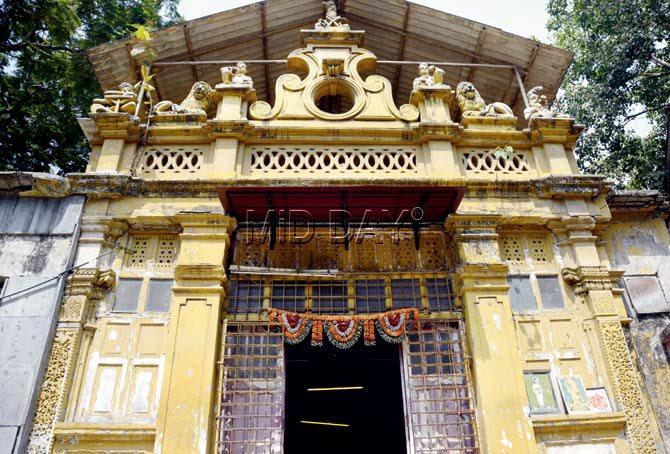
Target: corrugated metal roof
395, 30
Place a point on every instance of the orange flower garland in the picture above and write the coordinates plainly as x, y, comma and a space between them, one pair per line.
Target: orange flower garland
344, 331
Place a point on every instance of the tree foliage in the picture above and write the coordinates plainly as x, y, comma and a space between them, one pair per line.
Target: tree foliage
620, 74
46, 80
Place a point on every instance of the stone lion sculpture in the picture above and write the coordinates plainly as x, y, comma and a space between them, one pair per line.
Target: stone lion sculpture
196, 103
123, 100
472, 104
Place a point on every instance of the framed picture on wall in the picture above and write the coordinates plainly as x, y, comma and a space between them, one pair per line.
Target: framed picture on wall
599, 400
574, 394
541, 397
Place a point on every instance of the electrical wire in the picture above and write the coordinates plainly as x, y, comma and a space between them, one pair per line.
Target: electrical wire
59, 275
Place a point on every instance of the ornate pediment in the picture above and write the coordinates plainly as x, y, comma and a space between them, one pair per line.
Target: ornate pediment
332, 86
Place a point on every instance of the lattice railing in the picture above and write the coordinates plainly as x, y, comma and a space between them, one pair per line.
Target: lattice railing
335, 161
171, 160
495, 161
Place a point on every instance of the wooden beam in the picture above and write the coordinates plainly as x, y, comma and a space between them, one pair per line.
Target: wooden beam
241, 39
478, 50
189, 47
401, 52
265, 52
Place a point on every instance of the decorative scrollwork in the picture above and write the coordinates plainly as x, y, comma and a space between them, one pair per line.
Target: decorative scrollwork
171, 160
335, 161
494, 161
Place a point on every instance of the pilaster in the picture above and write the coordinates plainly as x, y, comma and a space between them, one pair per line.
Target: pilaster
185, 419
84, 288
593, 283
481, 283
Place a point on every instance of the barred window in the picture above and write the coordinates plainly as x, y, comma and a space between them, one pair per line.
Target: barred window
329, 296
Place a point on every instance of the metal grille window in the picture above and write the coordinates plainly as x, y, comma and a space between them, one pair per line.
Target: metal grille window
252, 391
245, 296
370, 295
439, 398
440, 294
330, 297
406, 293
288, 295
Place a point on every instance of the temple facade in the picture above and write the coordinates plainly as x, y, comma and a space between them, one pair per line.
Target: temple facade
373, 256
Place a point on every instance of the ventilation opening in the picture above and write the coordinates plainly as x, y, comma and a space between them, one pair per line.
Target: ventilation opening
344, 400
334, 100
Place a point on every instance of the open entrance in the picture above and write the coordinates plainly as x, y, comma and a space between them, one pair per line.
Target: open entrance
344, 400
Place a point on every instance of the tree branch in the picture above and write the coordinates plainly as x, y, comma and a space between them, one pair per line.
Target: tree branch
660, 62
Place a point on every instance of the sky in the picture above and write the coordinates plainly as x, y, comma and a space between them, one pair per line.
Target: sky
522, 17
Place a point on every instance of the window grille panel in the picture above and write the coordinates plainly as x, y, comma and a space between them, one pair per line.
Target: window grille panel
252, 391
139, 252
406, 293
370, 295
438, 394
288, 295
440, 294
330, 297
245, 296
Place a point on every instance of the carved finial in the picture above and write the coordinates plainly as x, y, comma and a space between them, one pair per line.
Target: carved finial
538, 105
429, 76
236, 75
332, 19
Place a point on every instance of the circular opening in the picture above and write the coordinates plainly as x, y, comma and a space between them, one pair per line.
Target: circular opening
334, 99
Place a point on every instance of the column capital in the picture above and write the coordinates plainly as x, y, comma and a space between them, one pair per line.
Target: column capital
117, 126
587, 278
573, 228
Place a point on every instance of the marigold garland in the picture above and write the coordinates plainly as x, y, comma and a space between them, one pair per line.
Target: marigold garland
344, 331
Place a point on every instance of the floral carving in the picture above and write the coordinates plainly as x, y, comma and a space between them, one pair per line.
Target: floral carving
52, 392
626, 386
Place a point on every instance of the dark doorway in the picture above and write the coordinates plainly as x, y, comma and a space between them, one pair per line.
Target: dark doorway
371, 419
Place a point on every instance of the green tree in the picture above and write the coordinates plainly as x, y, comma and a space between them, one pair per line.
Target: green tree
620, 73
46, 80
